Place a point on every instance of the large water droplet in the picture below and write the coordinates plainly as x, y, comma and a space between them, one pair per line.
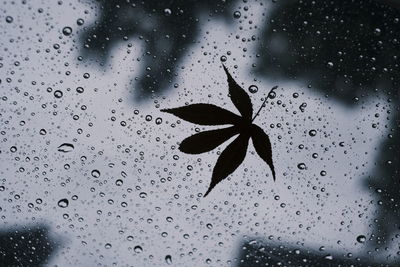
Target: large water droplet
66, 147
312, 132
361, 239
95, 173
168, 259
63, 203
253, 89
237, 14
58, 94
9, 19
272, 95
67, 31
138, 249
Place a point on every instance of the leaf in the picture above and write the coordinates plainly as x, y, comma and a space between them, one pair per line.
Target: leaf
205, 114
262, 146
207, 141
239, 97
229, 160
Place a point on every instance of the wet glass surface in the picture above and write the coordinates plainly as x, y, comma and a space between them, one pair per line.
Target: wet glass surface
93, 173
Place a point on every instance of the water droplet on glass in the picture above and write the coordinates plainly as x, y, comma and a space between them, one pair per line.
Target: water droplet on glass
168, 259
312, 132
158, 121
63, 203
237, 14
58, 94
42, 132
80, 22
67, 31
108, 246
272, 95
167, 12
95, 173
223, 58
361, 239
9, 19
253, 89
66, 147
138, 249
301, 166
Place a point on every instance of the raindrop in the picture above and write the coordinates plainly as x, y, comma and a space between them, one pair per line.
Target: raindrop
253, 89
237, 14
138, 249
158, 121
167, 12
361, 239
312, 132
95, 173
301, 166
42, 132
67, 31
9, 19
223, 58
66, 147
272, 94
58, 94
80, 22
63, 203
108, 246
168, 259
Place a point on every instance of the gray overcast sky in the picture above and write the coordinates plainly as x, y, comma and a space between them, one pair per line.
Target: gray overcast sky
301, 206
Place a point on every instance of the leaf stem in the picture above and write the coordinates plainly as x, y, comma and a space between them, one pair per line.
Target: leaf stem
263, 104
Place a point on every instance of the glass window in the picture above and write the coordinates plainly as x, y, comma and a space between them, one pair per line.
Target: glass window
207, 133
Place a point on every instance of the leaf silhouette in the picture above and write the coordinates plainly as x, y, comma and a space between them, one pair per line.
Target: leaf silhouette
207, 141
234, 153
229, 160
205, 114
239, 97
262, 145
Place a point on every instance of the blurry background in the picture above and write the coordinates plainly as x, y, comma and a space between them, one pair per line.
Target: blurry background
90, 169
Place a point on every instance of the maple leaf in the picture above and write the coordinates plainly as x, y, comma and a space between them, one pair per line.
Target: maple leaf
235, 152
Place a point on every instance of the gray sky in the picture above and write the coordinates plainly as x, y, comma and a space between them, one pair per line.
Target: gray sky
302, 206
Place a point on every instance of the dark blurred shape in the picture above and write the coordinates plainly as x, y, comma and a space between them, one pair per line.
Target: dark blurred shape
342, 47
27, 246
345, 49
167, 29
257, 253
